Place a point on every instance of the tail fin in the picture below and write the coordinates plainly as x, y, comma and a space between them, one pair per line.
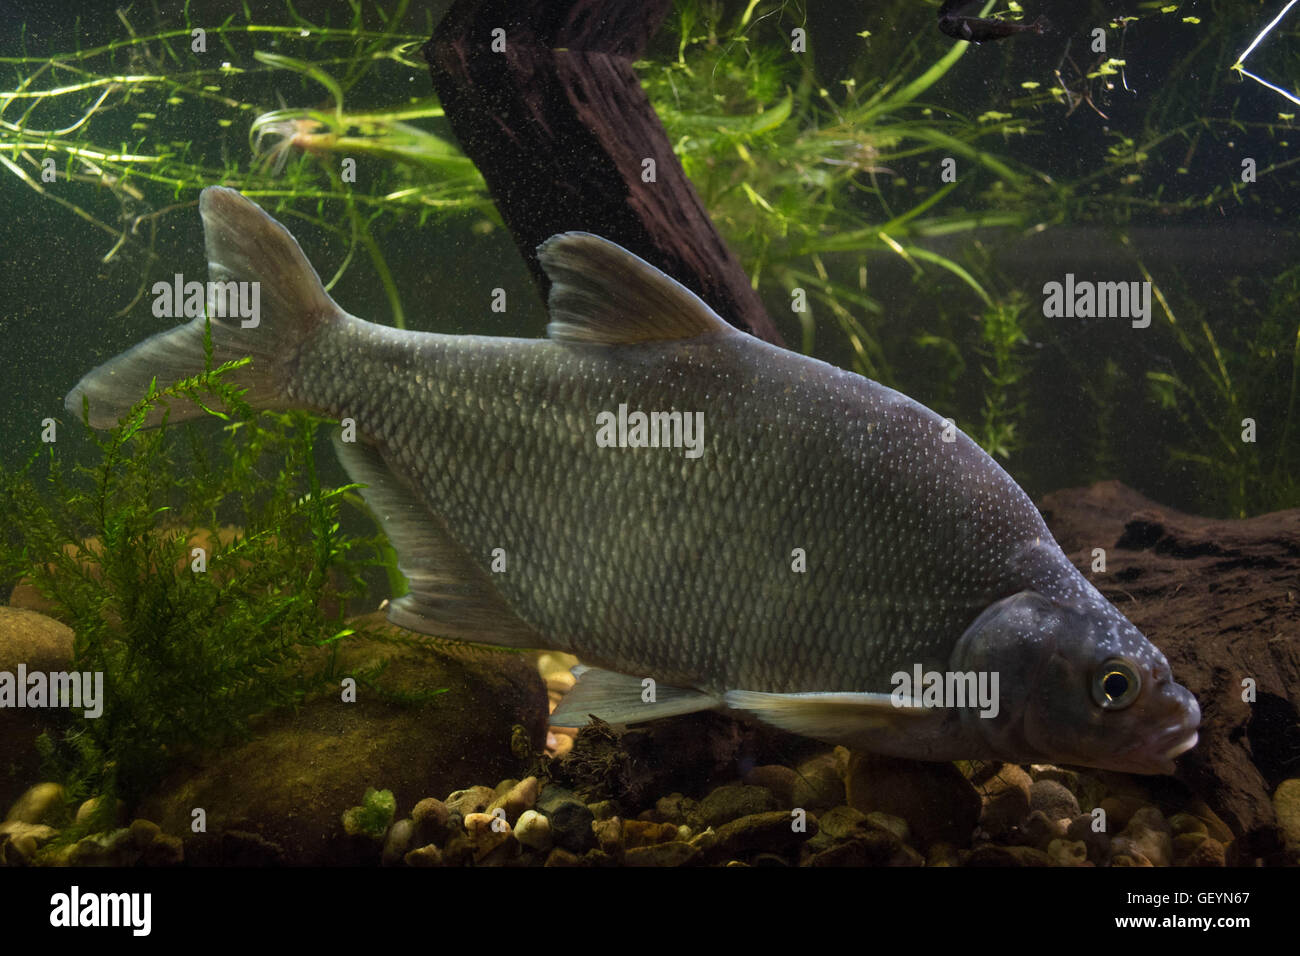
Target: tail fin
243, 244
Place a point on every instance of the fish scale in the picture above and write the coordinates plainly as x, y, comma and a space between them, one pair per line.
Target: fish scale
921, 553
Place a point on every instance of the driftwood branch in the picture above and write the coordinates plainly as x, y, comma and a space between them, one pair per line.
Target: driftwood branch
561, 130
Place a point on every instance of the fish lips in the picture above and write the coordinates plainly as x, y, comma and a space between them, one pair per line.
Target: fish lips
1178, 735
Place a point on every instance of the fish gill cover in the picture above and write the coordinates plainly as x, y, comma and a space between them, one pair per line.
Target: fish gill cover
883, 205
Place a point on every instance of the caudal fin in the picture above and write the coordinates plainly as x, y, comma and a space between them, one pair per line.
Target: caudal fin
243, 244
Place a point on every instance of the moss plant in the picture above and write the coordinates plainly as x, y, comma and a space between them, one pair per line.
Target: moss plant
206, 595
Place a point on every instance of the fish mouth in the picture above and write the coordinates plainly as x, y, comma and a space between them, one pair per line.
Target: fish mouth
1157, 756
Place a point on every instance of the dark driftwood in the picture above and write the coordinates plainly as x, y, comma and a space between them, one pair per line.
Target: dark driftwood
1222, 600
559, 127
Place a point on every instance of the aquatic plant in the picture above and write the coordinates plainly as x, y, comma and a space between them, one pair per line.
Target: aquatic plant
206, 596
374, 816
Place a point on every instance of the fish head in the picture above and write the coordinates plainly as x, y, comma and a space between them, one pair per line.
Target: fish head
1078, 684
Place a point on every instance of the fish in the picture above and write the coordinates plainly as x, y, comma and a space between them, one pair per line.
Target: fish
981, 29
831, 536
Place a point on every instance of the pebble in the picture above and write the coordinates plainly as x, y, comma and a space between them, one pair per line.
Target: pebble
1005, 798
1286, 803
890, 823
1054, 799
1144, 838
521, 795
673, 853
398, 842
425, 856
432, 821
609, 835
818, 784
486, 832
870, 848
1209, 852
1181, 823
1185, 844
604, 809
675, 808
777, 778
771, 832
937, 801
1046, 771
570, 819
642, 833
19, 841
841, 823
1067, 853
42, 803
1119, 810
1038, 830
992, 855
533, 830
731, 803
88, 808
562, 857
1098, 844
470, 800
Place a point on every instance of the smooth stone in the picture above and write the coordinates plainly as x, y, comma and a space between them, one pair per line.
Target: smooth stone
432, 821
1046, 771
675, 808
1005, 799
429, 855
470, 800
1067, 852
642, 833
818, 784
1286, 803
88, 808
486, 832
1119, 810
609, 835
562, 857
840, 823
733, 802
937, 801
521, 795
19, 841
869, 848
772, 832
42, 644
1209, 852
605, 809
570, 825
777, 778
992, 855
1185, 823
42, 803
672, 853
1054, 799
533, 830
1098, 843
398, 842
1038, 830
885, 821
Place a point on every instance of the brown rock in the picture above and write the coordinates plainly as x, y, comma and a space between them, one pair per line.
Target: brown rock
818, 784
44, 645
672, 853
870, 848
991, 855
293, 779
938, 803
1004, 793
1187, 582
638, 833
773, 832
780, 780
1209, 852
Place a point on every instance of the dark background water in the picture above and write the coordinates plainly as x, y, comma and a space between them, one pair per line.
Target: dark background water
58, 299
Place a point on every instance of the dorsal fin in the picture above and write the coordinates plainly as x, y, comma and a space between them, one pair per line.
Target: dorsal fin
601, 294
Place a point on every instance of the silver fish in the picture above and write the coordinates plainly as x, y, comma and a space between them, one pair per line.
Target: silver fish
831, 537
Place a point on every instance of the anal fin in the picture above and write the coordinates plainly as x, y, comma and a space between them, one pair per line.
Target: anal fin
616, 699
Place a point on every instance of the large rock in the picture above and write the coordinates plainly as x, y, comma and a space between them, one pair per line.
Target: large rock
43, 644
938, 803
1219, 598
290, 784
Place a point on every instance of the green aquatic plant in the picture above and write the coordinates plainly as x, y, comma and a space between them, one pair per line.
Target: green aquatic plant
374, 816
1003, 339
205, 596
1235, 403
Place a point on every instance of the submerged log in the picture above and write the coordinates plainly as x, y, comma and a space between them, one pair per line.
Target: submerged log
556, 121
1221, 598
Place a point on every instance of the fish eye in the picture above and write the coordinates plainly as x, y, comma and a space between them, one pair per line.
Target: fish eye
1115, 685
